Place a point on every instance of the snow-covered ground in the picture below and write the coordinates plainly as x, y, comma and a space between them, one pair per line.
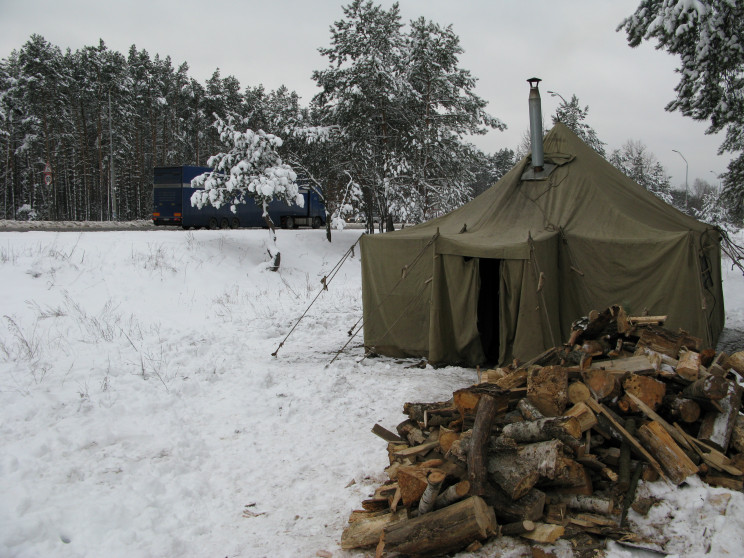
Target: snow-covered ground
142, 414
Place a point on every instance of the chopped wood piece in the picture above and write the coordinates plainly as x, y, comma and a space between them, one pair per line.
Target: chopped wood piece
517, 528
716, 428
681, 408
645, 388
689, 365
634, 364
547, 389
556, 514
453, 494
442, 531
647, 320
530, 506
543, 429
515, 379
584, 414
737, 434
487, 408
578, 392
366, 532
710, 455
736, 361
409, 430
417, 450
528, 410
604, 384
517, 472
434, 484
385, 434
413, 482
589, 503
667, 342
711, 388
545, 533
725, 481
661, 445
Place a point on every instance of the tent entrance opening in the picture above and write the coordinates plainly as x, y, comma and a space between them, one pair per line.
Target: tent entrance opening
488, 307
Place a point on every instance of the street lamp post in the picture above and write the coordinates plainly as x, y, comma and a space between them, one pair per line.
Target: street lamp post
687, 167
555, 94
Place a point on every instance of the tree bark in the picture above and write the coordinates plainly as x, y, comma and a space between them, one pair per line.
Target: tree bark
439, 532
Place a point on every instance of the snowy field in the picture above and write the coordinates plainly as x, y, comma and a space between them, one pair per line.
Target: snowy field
142, 414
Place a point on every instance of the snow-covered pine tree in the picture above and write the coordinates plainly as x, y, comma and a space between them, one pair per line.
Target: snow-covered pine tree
573, 116
251, 168
708, 37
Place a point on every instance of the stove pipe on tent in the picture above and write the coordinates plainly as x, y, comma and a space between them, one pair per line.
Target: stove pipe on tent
536, 131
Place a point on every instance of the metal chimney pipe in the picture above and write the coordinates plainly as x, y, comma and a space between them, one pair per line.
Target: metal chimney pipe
536, 131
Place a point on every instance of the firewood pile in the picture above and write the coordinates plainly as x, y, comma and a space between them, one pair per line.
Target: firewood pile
555, 447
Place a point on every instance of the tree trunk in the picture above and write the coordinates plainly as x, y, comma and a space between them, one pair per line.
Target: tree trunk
273, 249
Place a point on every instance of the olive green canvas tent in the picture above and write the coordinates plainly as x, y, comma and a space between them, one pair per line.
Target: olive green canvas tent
505, 275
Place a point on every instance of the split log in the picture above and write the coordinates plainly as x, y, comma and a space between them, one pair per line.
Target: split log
578, 392
712, 457
681, 408
528, 507
671, 457
366, 531
604, 384
645, 388
413, 481
724, 481
409, 430
589, 503
689, 365
556, 514
439, 532
737, 434
487, 408
710, 388
421, 449
545, 533
635, 364
447, 438
528, 410
517, 472
736, 361
544, 429
667, 342
515, 379
547, 389
517, 528
385, 434
453, 494
434, 484
583, 414
416, 411
716, 428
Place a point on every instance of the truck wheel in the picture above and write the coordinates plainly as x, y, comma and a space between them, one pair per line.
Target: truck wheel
224, 223
234, 223
317, 222
290, 222
213, 224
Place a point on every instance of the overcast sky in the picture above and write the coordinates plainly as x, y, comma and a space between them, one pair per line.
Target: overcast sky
571, 45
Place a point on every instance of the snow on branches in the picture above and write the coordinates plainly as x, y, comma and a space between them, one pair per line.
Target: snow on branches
251, 168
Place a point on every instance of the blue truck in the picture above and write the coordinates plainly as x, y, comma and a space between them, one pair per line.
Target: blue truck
171, 195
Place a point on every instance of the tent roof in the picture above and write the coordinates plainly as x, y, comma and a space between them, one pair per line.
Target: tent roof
585, 196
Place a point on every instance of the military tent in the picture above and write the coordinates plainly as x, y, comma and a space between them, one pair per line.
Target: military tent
505, 275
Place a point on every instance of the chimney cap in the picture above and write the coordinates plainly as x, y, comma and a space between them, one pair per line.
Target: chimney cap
534, 81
